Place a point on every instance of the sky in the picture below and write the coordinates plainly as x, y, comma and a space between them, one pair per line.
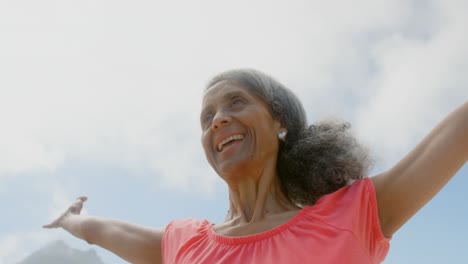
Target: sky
101, 98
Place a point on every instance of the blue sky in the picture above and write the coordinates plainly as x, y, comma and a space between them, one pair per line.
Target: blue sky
101, 98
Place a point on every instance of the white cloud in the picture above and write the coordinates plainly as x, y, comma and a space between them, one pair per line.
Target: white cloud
121, 83
419, 81
9, 249
108, 81
19, 243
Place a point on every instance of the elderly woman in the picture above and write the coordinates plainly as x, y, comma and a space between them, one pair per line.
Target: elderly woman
297, 193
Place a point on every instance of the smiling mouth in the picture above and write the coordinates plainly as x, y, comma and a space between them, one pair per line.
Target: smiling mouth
228, 141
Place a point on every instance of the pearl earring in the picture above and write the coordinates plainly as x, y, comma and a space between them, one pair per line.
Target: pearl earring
282, 135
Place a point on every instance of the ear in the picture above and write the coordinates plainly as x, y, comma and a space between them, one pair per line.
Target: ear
277, 119
278, 126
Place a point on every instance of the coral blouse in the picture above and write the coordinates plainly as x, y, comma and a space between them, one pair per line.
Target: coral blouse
342, 227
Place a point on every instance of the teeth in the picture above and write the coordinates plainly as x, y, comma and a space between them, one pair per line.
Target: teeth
235, 137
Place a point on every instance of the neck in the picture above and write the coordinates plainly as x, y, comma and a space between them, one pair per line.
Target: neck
255, 197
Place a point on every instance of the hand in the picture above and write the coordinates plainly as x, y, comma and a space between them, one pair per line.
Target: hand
74, 209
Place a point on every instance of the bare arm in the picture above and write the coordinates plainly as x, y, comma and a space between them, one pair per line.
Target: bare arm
134, 243
418, 177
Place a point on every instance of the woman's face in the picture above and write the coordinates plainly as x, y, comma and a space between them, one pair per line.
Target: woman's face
239, 134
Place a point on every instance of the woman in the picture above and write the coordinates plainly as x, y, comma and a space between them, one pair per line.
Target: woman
297, 194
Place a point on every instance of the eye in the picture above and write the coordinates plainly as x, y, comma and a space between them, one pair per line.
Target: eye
206, 118
237, 101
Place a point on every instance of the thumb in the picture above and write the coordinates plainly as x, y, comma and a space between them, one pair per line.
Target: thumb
75, 208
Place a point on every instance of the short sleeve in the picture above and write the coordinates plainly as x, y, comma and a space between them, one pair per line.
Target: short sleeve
178, 235
354, 208
366, 224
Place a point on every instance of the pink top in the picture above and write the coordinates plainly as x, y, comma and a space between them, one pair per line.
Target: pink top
342, 227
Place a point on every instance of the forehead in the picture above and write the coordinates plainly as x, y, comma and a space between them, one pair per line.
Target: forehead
224, 90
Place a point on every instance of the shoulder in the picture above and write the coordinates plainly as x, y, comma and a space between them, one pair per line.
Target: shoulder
185, 223
181, 227
180, 230
181, 233
353, 207
357, 192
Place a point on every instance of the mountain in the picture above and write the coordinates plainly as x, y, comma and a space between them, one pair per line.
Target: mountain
60, 253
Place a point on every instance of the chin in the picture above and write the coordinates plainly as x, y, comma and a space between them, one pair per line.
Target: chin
231, 169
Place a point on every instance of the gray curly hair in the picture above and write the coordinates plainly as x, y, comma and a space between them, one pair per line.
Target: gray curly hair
313, 160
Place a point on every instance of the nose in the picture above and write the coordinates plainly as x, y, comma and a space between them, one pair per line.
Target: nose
220, 120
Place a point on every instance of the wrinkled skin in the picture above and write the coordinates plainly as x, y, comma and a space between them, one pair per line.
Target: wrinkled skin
230, 109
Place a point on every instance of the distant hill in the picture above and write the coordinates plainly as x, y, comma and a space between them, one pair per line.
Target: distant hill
60, 253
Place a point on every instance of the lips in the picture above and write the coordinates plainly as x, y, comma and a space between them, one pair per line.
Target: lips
227, 140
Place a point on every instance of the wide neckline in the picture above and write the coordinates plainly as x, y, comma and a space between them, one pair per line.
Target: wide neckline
235, 240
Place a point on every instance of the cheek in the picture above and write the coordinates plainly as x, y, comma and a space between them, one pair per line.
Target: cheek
269, 139
205, 144
270, 144
209, 154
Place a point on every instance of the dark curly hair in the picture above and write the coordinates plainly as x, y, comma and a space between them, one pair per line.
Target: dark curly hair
313, 160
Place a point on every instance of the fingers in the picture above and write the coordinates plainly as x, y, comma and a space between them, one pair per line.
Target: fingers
49, 226
54, 224
75, 208
82, 198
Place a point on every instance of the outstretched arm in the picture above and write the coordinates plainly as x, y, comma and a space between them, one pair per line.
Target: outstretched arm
418, 177
134, 243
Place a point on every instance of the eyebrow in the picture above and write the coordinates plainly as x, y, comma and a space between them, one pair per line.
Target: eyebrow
231, 94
